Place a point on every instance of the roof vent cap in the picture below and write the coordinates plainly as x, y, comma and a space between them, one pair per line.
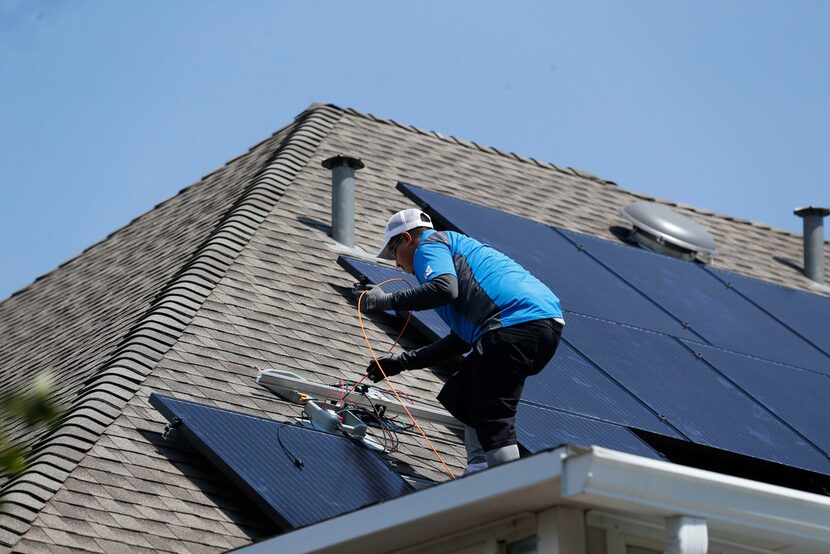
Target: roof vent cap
658, 228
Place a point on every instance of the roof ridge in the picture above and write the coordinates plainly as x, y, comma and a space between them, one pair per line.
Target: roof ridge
474, 145
567, 170
105, 394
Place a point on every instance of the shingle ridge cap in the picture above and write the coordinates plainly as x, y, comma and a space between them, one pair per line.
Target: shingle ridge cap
101, 387
561, 169
472, 144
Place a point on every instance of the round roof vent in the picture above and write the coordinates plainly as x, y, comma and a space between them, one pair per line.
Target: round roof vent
658, 228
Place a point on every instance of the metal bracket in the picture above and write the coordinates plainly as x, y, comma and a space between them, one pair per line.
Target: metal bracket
170, 427
291, 387
326, 420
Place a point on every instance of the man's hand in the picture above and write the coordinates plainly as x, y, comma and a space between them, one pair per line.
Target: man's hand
392, 365
374, 299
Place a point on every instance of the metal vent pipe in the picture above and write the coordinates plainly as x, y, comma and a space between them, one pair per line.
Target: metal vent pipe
342, 169
813, 241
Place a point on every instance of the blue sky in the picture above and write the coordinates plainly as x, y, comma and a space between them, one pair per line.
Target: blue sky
108, 108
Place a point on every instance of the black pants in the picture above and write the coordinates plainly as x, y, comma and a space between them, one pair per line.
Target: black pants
484, 393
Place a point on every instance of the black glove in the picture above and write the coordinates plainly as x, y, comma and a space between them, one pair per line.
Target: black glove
392, 365
375, 300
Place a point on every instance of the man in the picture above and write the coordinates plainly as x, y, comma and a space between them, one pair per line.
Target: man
509, 319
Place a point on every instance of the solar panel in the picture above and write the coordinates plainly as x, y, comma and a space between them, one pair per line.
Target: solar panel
693, 397
797, 396
572, 384
427, 321
539, 429
807, 314
711, 309
582, 284
337, 475
612, 374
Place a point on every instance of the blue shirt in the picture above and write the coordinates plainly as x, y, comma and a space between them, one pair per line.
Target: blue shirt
493, 290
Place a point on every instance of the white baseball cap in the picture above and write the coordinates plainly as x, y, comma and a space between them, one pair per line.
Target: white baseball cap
402, 221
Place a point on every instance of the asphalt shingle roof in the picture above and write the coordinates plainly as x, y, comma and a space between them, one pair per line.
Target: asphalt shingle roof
236, 272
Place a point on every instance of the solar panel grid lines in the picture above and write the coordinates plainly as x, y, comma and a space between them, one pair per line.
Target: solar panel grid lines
574, 238
694, 397
798, 397
336, 475
802, 313
572, 383
543, 428
696, 296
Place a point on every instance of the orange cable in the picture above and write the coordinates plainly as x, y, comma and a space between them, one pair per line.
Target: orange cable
403, 330
385, 378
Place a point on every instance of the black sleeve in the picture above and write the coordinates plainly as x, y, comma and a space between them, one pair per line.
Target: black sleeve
437, 292
448, 347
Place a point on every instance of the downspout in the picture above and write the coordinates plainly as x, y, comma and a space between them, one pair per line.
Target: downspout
686, 535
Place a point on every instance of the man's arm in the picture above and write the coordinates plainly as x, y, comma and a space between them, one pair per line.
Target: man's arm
441, 350
439, 291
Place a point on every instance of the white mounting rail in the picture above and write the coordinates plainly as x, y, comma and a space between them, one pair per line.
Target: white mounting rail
287, 385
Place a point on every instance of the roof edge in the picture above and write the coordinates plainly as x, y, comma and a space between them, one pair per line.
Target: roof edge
25, 497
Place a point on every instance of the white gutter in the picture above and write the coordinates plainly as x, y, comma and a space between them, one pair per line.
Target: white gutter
737, 509
776, 515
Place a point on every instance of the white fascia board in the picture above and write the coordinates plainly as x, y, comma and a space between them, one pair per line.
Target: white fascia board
530, 484
737, 507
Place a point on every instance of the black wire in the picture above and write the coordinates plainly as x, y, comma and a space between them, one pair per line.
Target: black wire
384, 428
298, 463
387, 428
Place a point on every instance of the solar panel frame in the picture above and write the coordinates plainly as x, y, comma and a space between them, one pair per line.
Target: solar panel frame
258, 458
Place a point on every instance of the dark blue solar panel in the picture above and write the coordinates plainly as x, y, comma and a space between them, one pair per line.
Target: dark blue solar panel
338, 475
724, 400
797, 396
693, 295
807, 314
572, 384
693, 397
581, 283
539, 429
427, 321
